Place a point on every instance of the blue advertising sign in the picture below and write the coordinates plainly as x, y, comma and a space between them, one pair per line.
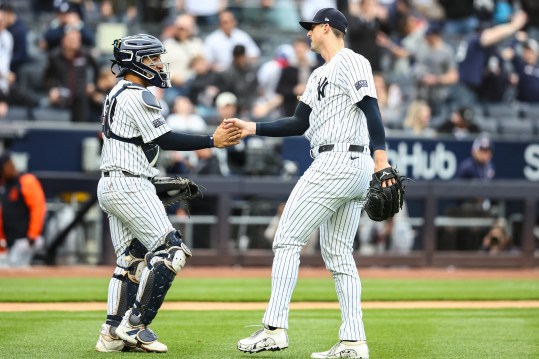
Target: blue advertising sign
438, 159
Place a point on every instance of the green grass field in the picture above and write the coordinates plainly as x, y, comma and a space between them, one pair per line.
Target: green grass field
392, 333
419, 333
258, 290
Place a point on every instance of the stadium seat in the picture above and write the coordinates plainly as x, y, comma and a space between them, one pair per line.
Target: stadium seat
501, 110
516, 127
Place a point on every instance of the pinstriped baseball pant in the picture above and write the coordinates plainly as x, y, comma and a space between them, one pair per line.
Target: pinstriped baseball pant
134, 211
328, 196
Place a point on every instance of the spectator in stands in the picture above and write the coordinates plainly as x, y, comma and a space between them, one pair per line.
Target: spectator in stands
268, 103
308, 8
435, 69
479, 165
417, 120
364, 22
70, 75
11, 92
219, 44
496, 12
18, 29
402, 50
184, 118
205, 12
117, 11
105, 82
22, 212
526, 70
182, 47
391, 101
398, 13
240, 79
531, 7
226, 104
293, 79
460, 17
6, 76
480, 65
460, 123
67, 19
497, 240
204, 86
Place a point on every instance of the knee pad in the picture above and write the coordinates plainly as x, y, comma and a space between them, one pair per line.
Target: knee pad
174, 251
134, 256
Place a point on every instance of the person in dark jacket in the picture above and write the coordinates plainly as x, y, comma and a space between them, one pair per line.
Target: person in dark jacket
70, 77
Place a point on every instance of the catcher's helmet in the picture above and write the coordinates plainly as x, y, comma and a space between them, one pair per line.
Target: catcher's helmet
129, 53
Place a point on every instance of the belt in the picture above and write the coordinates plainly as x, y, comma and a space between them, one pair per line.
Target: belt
351, 148
125, 174
338, 147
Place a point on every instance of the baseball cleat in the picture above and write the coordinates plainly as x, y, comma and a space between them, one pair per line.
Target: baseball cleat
345, 349
264, 339
137, 334
109, 342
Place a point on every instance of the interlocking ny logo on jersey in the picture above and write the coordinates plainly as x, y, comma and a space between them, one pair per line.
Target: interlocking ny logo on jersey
322, 88
360, 84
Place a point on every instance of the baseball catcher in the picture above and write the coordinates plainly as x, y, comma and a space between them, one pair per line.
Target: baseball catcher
149, 251
384, 202
171, 190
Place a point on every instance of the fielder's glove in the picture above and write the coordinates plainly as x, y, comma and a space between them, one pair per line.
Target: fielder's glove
171, 190
384, 202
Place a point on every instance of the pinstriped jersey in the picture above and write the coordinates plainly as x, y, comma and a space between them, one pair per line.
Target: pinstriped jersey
332, 92
129, 117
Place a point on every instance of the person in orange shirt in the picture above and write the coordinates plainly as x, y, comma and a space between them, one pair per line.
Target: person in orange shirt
22, 213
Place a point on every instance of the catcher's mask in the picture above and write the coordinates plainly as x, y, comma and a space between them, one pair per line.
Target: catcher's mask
129, 54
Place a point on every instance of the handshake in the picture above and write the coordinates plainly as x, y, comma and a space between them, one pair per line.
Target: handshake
231, 131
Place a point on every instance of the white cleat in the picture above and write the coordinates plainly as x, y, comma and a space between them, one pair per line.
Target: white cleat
109, 342
264, 339
137, 334
345, 349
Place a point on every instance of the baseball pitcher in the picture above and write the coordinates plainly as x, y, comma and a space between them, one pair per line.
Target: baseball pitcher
339, 114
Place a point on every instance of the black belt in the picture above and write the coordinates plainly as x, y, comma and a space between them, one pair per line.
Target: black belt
126, 174
351, 148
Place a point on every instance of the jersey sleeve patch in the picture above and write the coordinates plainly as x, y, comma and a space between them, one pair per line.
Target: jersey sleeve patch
158, 122
150, 100
360, 84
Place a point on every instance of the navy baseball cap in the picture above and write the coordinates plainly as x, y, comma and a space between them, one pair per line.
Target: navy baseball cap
434, 27
330, 16
482, 143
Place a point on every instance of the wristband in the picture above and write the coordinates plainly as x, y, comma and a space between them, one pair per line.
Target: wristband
212, 144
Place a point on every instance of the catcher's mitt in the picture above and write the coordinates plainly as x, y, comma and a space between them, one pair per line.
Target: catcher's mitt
171, 190
384, 202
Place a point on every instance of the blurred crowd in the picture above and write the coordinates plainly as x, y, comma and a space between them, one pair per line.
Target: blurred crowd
430, 57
